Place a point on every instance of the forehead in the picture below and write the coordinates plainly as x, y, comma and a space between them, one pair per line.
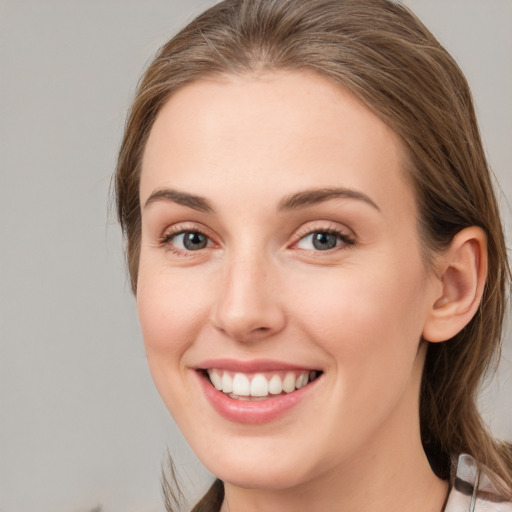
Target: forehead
294, 129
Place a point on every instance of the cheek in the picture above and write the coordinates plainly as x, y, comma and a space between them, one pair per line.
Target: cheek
370, 325
367, 315
166, 316
172, 308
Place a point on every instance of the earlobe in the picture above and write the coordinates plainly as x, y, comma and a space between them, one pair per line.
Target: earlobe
462, 271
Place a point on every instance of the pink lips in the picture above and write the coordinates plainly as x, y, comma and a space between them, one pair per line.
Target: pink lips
259, 365
246, 411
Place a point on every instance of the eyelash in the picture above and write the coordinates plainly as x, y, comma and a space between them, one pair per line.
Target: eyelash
345, 239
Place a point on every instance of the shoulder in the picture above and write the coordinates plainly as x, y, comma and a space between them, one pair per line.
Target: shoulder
472, 489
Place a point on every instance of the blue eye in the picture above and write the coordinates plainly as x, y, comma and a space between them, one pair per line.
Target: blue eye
189, 240
323, 240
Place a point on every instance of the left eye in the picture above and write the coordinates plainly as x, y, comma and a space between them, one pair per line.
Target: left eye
321, 241
190, 240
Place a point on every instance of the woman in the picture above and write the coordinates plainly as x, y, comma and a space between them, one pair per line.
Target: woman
316, 252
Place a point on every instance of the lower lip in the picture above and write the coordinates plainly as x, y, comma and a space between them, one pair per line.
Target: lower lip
252, 412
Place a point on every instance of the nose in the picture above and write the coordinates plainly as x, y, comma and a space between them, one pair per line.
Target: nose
248, 302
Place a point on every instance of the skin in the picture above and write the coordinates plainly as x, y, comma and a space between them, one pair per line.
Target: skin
260, 289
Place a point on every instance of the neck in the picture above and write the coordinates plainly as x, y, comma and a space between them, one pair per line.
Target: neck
402, 481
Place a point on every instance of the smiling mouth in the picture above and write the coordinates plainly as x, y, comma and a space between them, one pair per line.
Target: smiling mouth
259, 385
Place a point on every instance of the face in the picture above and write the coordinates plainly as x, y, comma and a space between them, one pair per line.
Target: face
281, 291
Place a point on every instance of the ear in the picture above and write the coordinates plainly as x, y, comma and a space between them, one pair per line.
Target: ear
462, 271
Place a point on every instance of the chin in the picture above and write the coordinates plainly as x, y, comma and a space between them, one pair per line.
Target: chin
259, 463
263, 477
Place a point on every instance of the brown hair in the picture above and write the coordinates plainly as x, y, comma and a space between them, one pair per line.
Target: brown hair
379, 51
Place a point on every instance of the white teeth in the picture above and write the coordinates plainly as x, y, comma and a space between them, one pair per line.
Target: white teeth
258, 386
275, 385
241, 385
289, 383
227, 383
216, 379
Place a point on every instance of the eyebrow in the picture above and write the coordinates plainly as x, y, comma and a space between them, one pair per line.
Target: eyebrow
298, 200
201, 204
314, 196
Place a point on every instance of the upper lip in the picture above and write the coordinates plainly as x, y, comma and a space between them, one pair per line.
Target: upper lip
255, 365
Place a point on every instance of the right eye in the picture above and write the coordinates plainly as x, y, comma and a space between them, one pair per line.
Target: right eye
185, 241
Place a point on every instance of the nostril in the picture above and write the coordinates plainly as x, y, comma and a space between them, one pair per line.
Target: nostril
246, 321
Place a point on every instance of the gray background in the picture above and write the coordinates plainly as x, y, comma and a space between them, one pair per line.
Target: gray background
81, 427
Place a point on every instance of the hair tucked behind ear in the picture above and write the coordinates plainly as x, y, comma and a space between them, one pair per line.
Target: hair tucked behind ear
382, 53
